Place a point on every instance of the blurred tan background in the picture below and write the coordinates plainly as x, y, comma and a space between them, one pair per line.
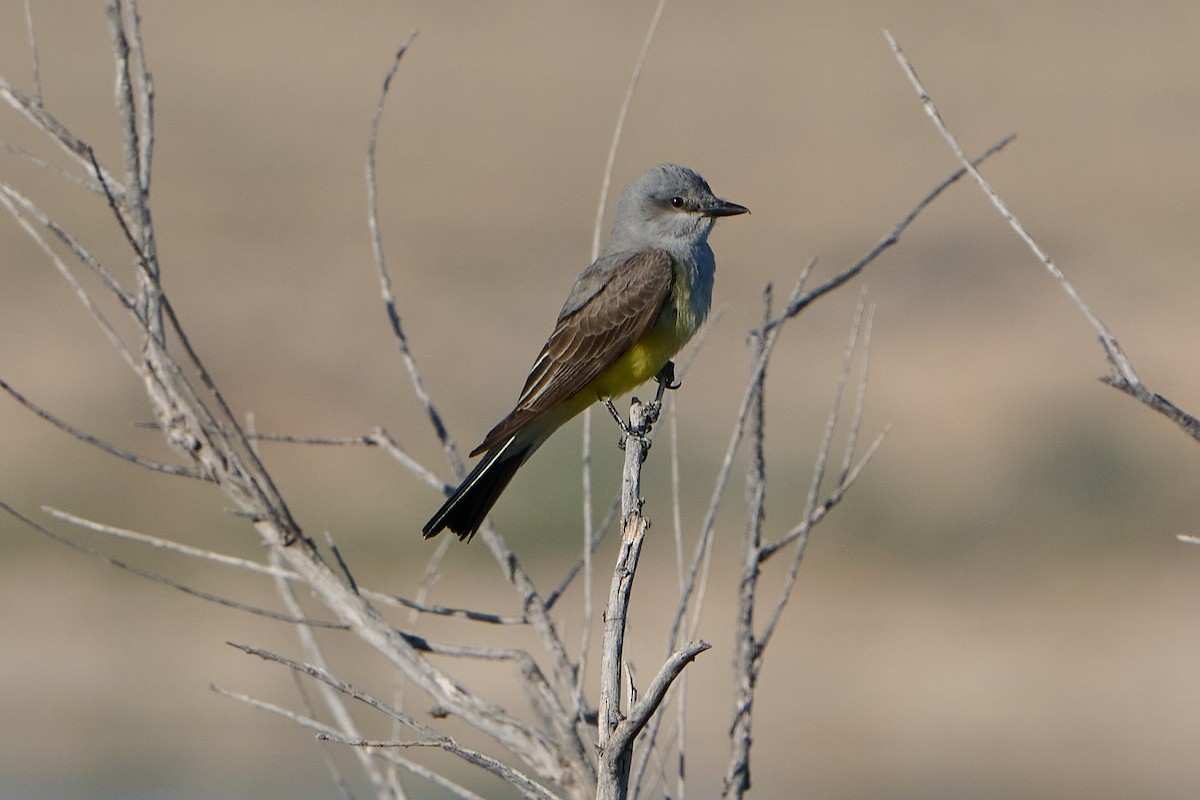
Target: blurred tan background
1000, 609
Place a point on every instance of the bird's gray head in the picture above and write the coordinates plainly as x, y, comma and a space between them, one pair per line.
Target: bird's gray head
668, 204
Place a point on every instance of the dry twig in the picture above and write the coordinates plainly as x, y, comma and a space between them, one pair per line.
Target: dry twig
1122, 375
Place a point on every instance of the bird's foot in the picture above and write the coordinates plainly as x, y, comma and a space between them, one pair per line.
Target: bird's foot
621, 423
642, 418
666, 380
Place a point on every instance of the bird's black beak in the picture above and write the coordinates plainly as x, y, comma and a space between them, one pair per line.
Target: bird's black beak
724, 208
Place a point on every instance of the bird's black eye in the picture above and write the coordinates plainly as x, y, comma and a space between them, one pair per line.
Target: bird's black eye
677, 202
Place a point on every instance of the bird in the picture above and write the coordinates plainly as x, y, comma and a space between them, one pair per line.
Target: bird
627, 315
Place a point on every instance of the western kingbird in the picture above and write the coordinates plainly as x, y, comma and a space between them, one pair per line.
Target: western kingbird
627, 315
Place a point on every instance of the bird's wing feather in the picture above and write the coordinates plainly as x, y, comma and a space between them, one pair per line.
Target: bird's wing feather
590, 335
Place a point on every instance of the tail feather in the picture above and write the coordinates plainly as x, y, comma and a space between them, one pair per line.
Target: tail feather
466, 509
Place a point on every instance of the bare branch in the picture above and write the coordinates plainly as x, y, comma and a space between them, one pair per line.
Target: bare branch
597, 232
539, 689
827, 505
332, 698
385, 280
141, 75
385, 442
323, 730
87, 438
704, 543
430, 736
861, 398
1122, 376
53, 169
167, 544
616, 731
737, 776
619, 128
27, 206
460, 613
335, 772
320, 674
44, 121
633, 531
656, 692
600, 532
20, 208
536, 612
135, 98
212, 598
31, 32
889, 239
811, 502
518, 780
273, 571
564, 668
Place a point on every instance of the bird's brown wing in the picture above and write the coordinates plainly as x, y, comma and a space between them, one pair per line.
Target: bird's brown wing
589, 337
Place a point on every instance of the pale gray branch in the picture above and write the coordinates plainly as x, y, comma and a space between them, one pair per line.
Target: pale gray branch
518, 780
83, 436
656, 692
325, 731
331, 696
44, 121
1122, 376
168, 544
141, 573
618, 731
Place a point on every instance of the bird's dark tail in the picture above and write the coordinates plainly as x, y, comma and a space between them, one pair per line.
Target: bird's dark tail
465, 510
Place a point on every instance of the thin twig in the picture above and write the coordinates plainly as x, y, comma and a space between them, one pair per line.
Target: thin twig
619, 128
323, 730
429, 735
53, 169
655, 693
601, 531
19, 207
518, 780
460, 613
278, 572
819, 467
332, 697
385, 279
1123, 376
589, 545
83, 436
121, 565
695, 581
597, 231
31, 33
701, 553
134, 104
168, 544
889, 239
322, 675
737, 775
861, 398
75, 246
331, 765
564, 668
133, 20
45, 122
835, 497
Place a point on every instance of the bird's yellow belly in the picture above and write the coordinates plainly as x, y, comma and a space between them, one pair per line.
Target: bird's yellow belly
641, 362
